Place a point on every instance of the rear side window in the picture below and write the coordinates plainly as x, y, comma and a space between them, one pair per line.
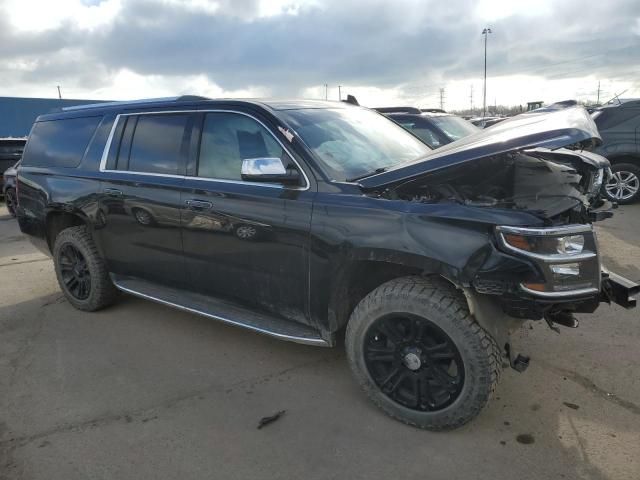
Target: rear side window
622, 119
229, 138
157, 144
59, 143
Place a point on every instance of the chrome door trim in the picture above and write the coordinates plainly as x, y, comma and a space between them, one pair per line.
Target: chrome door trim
107, 147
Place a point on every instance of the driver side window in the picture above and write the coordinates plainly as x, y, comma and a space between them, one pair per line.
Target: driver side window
229, 138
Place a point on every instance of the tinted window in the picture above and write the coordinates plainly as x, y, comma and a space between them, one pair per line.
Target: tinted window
227, 139
59, 143
622, 119
157, 143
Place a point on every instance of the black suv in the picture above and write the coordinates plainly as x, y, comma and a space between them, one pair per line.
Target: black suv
434, 127
619, 126
300, 218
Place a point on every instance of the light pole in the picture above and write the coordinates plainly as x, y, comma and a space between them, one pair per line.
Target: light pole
486, 33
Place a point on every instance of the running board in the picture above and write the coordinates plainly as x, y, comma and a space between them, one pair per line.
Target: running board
221, 310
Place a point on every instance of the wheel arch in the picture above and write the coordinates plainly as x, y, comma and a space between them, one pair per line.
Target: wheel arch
58, 220
363, 274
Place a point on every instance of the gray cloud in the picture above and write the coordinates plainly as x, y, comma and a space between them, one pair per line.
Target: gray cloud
373, 43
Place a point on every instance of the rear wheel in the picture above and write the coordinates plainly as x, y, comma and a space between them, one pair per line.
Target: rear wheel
10, 200
624, 186
420, 356
81, 273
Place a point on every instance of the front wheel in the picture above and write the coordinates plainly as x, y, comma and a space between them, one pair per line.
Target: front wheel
420, 356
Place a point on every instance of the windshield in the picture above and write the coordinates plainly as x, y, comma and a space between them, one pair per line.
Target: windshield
352, 142
454, 127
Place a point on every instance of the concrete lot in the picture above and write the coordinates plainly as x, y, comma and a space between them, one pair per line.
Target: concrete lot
143, 391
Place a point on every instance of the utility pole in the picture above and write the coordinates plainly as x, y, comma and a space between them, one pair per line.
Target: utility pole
339, 92
486, 33
598, 101
442, 99
471, 101
59, 93
326, 91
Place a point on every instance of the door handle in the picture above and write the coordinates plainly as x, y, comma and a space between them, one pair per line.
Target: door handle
113, 192
198, 205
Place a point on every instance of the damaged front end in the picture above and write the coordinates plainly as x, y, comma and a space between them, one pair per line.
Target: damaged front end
560, 271
543, 192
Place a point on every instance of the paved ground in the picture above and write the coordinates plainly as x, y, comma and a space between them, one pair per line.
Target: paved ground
142, 391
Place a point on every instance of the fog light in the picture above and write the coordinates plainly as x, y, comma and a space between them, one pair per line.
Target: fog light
564, 270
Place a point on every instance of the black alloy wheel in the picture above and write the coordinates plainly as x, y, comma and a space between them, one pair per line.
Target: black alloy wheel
74, 271
414, 362
418, 353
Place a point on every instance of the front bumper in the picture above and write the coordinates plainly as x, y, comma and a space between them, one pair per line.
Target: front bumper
614, 289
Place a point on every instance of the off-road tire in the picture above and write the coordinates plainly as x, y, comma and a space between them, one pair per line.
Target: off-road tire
440, 303
102, 291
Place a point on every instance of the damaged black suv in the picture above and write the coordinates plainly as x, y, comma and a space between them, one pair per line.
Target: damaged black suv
299, 219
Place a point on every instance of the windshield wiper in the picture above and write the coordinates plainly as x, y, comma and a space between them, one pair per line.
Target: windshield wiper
360, 177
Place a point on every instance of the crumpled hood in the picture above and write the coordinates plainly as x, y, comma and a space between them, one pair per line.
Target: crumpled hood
549, 130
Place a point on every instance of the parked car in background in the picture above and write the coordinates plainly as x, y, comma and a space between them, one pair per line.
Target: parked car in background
9, 188
433, 126
619, 126
427, 259
10, 152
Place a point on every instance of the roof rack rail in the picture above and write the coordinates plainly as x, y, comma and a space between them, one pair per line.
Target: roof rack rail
181, 98
397, 110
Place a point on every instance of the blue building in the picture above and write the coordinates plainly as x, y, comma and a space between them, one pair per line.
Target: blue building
17, 114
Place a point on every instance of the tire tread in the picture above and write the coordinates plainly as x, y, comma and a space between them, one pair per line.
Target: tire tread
451, 303
103, 292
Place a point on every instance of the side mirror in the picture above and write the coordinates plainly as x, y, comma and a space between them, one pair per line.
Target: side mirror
268, 169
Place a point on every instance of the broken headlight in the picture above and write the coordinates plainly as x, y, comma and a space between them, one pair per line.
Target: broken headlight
567, 257
596, 183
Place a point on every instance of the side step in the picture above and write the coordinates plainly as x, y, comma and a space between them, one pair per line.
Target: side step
221, 310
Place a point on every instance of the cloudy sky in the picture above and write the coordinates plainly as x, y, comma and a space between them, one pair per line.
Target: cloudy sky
384, 52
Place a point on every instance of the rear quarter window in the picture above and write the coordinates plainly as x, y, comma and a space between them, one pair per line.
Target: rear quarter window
623, 119
59, 143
